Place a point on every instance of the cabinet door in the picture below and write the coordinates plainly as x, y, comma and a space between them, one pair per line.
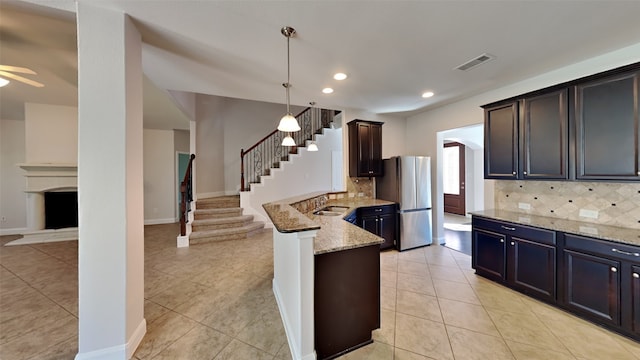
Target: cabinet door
537, 280
387, 227
635, 299
501, 142
364, 149
375, 167
488, 254
370, 223
608, 128
592, 286
544, 151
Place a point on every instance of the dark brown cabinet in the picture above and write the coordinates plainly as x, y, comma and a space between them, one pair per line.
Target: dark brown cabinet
635, 299
504, 252
596, 279
608, 128
527, 138
544, 152
592, 286
365, 148
382, 221
585, 129
501, 141
346, 300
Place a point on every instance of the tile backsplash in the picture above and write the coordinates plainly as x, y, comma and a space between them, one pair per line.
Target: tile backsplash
360, 187
615, 204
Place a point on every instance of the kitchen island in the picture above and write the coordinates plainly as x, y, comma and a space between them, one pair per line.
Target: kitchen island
326, 275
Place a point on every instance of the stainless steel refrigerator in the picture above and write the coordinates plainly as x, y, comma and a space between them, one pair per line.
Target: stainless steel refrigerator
407, 181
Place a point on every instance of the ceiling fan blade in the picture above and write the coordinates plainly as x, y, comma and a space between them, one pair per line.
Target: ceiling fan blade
17, 69
20, 78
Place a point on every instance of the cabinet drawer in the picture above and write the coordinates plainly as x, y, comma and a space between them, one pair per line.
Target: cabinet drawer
605, 248
516, 230
377, 210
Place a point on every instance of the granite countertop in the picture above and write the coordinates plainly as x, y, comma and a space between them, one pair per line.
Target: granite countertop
334, 233
604, 232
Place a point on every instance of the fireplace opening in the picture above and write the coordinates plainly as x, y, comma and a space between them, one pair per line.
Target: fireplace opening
60, 209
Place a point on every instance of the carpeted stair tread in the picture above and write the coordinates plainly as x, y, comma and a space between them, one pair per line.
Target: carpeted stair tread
224, 220
213, 213
218, 202
226, 234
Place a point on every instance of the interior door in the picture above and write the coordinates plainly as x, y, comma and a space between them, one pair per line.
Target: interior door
453, 179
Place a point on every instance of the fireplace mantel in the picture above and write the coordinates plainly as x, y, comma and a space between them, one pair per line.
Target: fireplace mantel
49, 176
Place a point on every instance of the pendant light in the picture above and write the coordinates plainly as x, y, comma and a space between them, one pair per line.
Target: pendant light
312, 146
288, 123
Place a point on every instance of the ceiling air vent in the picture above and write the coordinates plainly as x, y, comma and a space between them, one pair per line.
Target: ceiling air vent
475, 62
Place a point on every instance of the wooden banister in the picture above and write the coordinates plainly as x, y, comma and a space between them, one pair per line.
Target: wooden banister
186, 197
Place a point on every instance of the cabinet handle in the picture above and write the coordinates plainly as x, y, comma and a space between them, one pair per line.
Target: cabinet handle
636, 276
613, 269
513, 243
513, 173
378, 210
625, 252
508, 228
525, 173
501, 240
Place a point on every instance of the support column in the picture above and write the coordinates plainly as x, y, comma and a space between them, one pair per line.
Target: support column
110, 185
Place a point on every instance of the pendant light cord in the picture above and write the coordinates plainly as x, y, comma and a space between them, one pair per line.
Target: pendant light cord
288, 75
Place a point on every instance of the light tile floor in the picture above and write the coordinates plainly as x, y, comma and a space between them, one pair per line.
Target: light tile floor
214, 301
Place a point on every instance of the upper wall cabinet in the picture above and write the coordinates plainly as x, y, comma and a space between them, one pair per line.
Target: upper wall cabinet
501, 141
607, 128
527, 138
586, 129
544, 150
365, 148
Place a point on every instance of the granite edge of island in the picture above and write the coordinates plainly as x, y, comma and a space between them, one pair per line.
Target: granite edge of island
334, 233
603, 232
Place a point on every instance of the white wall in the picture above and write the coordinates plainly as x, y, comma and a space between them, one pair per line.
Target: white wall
51, 133
224, 127
181, 140
159, 176
13, 200
422, 129
304, 173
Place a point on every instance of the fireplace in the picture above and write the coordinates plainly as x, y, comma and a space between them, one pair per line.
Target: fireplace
52, 203
60, 209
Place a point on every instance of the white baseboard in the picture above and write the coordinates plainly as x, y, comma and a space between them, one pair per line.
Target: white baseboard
14, 231
159, 221
136, 338
124, 351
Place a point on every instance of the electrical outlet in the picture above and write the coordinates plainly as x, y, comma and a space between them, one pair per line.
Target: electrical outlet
524, 206
592, 214
360, 194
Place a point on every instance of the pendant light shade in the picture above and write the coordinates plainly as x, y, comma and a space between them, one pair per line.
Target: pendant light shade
312, 147
288, 124
288, 141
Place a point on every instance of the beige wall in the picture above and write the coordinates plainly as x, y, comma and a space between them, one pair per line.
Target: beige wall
51, 133
224, 127
159, 176
13, 200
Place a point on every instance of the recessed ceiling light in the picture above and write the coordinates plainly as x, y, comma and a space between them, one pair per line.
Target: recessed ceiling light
340, 76
327, 90
427, 94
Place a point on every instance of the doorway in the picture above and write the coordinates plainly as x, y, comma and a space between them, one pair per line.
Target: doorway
454, 178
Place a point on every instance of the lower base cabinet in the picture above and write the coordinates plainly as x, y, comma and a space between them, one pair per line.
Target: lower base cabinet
382, 221
346, 300
595, 279
504, 252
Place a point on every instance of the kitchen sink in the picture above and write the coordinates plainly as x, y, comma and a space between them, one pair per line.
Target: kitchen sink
331, 211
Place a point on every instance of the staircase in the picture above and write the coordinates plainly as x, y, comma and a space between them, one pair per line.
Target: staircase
220, 219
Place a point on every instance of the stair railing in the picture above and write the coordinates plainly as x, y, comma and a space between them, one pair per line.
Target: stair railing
186, 191
267, 153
